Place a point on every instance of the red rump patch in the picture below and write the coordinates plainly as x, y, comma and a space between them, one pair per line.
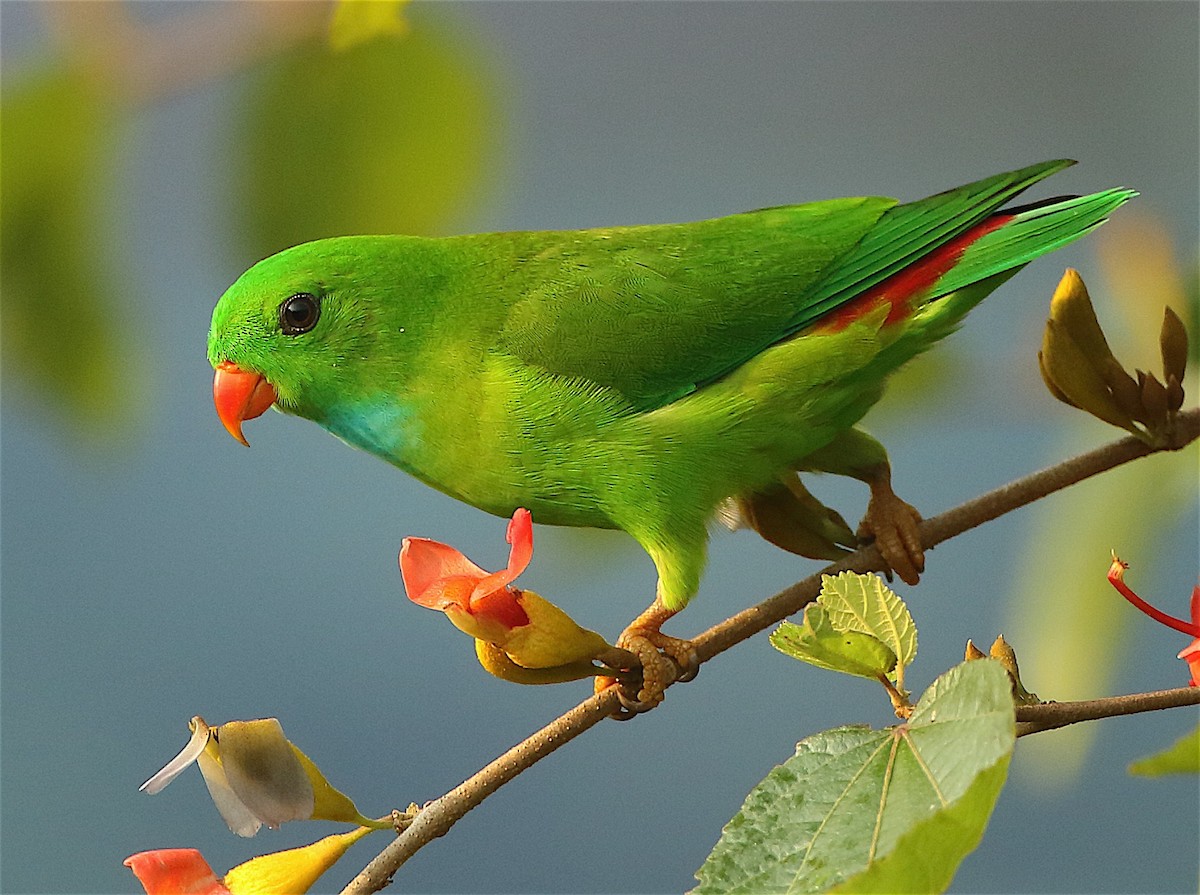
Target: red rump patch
901, 291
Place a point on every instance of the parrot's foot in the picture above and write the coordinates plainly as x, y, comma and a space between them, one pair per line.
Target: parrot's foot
664, 660
892, 523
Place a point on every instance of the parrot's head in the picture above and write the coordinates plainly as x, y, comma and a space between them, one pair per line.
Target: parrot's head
301, 329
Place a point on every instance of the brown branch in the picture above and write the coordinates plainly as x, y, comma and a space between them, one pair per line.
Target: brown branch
440, 815
1052, 715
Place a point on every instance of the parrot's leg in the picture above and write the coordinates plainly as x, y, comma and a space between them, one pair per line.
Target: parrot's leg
657, 651
678, 547
658, 655
891, 521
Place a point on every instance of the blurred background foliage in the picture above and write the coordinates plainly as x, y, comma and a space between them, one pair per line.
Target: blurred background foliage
1061, 609
316, 119
62, 333
392, 135
345, 122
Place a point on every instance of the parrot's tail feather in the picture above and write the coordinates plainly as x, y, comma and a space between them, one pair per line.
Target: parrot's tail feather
909, 232
1029, 232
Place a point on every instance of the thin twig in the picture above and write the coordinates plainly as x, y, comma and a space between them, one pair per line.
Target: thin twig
1052, 715
440, 815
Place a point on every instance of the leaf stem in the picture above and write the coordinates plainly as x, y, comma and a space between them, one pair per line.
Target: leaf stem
439, 816
900, 703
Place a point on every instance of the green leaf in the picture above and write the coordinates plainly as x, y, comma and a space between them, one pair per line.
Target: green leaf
390, 136
865, 604
818, 643
865, 810
1181, 758
926, 858
62, 333
358, 21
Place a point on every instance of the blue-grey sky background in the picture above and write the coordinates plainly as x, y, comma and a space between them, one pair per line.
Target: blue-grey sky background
187, 575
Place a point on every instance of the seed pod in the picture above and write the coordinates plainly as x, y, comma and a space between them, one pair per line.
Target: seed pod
1071, 370
1050, 386
1154, 399
1124, 390
1173, 339
1072, 307
1174, 393
1003, 653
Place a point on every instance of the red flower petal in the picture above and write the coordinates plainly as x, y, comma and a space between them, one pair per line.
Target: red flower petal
1191, 655
501, 606
436, 575
520, 535
175, 871
1116, 577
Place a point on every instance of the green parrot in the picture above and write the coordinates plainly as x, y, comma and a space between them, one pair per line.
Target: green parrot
644, 378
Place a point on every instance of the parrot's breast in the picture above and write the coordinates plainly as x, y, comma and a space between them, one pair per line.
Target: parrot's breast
387, 428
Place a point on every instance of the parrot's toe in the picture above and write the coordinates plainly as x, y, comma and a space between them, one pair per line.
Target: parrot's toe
893, 525
664, 660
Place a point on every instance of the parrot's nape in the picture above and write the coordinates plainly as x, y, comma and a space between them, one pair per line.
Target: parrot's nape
642, 378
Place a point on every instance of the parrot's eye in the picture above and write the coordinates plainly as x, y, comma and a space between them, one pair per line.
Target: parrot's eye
299, 314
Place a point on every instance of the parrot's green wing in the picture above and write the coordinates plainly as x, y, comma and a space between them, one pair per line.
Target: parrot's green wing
656, 312
651, 311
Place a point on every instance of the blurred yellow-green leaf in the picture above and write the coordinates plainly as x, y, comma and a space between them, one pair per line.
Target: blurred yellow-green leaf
359, 21
1183, 757
1144, 274
391, 136
63, 332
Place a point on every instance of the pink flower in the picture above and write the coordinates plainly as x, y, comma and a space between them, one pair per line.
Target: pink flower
529, 630
1190, 653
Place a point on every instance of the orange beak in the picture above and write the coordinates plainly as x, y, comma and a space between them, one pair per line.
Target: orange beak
240, 395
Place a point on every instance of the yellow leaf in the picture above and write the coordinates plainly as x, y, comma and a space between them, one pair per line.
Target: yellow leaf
497, 663
290, 872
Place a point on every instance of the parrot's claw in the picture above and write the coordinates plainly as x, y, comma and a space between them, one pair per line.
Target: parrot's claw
892, 524
664, 660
